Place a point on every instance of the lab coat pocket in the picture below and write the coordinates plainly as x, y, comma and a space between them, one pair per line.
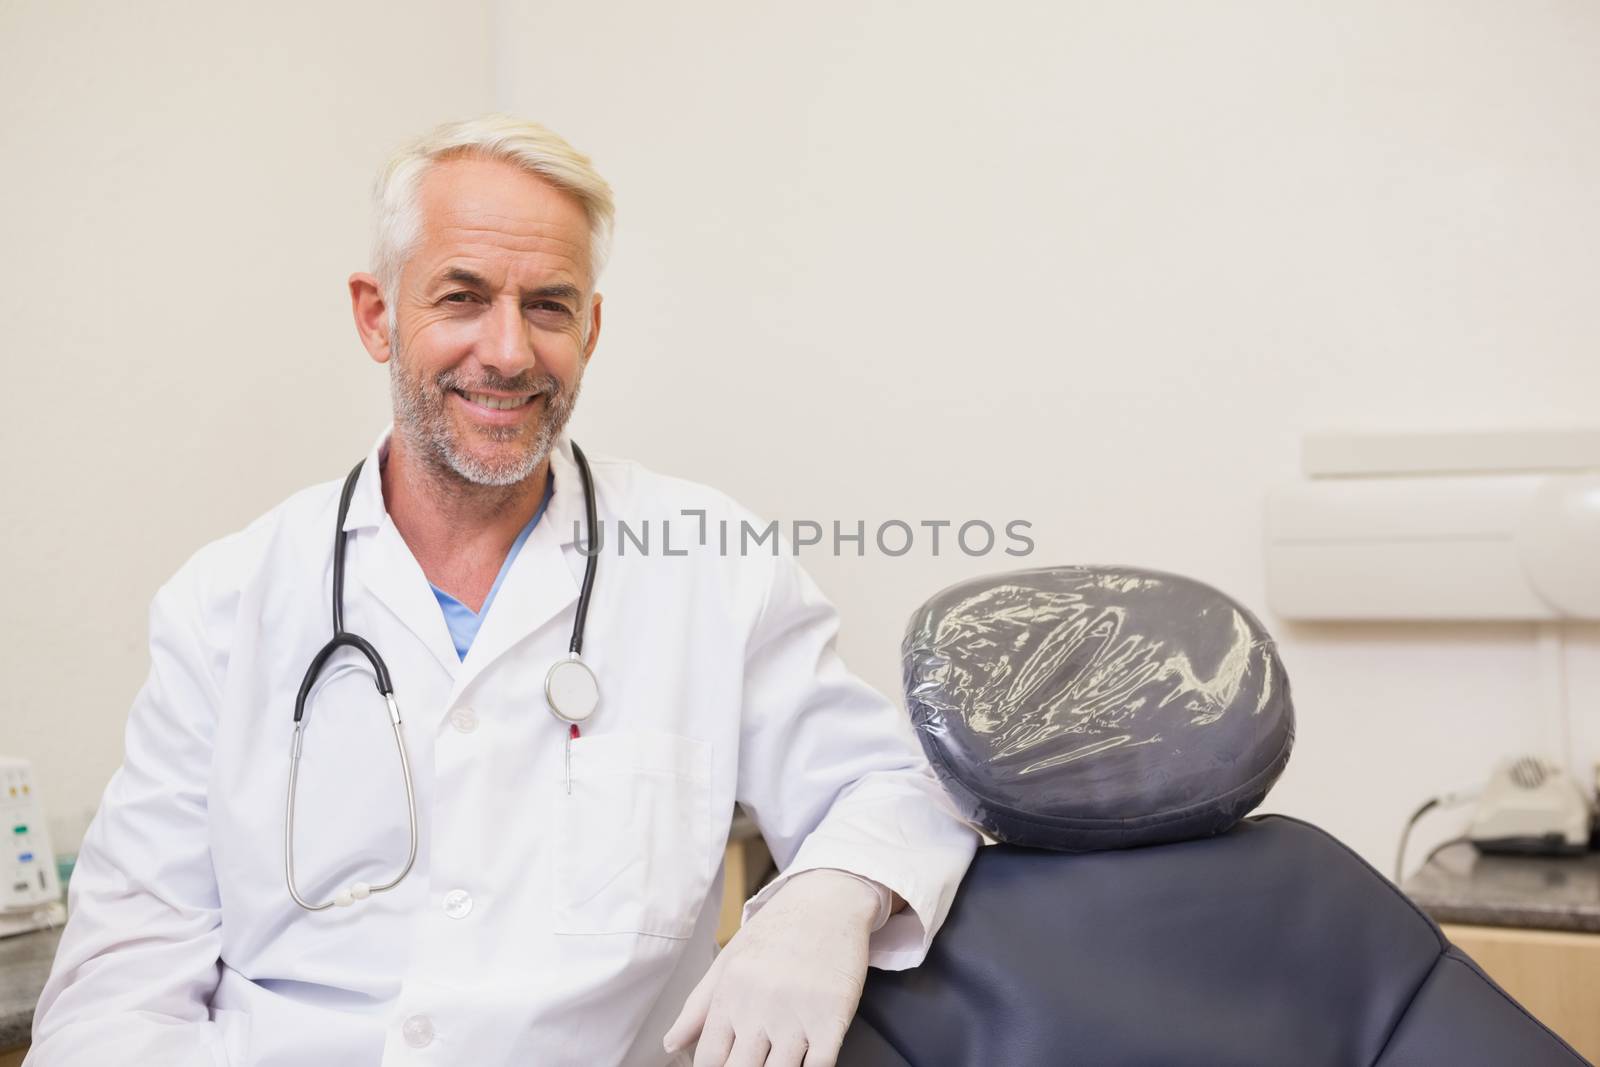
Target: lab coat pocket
633, 837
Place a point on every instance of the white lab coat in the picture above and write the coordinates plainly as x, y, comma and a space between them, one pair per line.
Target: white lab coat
537, 927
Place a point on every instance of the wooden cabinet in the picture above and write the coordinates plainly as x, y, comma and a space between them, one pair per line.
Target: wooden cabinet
1553, 973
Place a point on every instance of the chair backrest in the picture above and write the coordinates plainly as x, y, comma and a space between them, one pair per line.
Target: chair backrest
1133, 719
1271, 944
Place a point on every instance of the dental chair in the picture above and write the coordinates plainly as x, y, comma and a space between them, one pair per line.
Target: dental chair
1111, 728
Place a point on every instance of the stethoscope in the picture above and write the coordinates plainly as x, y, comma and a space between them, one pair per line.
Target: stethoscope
570, 688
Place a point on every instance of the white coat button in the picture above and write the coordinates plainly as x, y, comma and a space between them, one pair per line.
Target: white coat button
464, 719
418, 1031
457, 903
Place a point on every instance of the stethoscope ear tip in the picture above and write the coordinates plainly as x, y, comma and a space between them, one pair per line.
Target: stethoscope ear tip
352, 893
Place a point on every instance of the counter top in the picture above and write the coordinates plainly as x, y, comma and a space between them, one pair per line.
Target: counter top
24, 965
1459, 885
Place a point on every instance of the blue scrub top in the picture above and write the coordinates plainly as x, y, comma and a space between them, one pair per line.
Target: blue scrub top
461, 620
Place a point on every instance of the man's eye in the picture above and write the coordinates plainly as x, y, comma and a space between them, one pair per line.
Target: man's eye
548, 305
460, 298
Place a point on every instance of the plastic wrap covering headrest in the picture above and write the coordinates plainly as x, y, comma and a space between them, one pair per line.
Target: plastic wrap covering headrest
1081, 708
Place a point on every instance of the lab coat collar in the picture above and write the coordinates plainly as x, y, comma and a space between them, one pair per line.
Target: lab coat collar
366, 503
539, 586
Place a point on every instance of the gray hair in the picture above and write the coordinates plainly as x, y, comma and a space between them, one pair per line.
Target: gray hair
523, 144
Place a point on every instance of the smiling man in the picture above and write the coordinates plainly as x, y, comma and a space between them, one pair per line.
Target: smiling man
470, 868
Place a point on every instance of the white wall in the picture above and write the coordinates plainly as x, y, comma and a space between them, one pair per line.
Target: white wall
1095, 265
1099, 265
184, 194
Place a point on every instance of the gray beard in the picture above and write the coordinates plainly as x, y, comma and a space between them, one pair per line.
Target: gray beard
422, 417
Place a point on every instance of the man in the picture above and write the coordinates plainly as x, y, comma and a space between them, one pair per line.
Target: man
561, 904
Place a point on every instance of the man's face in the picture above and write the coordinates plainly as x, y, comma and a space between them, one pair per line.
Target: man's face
494, 321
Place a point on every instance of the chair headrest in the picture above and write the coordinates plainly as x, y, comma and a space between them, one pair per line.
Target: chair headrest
1081, 708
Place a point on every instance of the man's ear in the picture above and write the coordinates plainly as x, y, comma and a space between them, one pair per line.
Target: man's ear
371, 314
594, 327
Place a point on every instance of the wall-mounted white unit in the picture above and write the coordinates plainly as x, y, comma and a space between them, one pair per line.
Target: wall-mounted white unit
1385, 527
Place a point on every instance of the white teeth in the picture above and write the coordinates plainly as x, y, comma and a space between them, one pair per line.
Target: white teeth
498, 403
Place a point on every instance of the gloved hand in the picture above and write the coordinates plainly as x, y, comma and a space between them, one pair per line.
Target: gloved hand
783, 991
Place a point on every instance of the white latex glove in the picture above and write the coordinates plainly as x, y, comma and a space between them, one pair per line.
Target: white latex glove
783, 992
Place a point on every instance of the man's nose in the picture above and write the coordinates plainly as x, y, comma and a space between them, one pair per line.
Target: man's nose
506, 346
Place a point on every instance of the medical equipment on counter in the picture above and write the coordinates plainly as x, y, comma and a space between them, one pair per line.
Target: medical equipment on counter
32, 897
1531, 807
570, 688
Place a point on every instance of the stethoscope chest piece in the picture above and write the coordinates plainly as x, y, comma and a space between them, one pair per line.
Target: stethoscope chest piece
571, 689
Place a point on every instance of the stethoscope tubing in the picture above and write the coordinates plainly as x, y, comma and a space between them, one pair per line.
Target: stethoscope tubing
411, 811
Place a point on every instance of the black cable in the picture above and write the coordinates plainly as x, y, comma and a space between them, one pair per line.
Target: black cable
1443, 800
1405, 835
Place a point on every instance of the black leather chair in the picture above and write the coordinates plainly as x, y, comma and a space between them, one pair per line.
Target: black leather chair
1111, 727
